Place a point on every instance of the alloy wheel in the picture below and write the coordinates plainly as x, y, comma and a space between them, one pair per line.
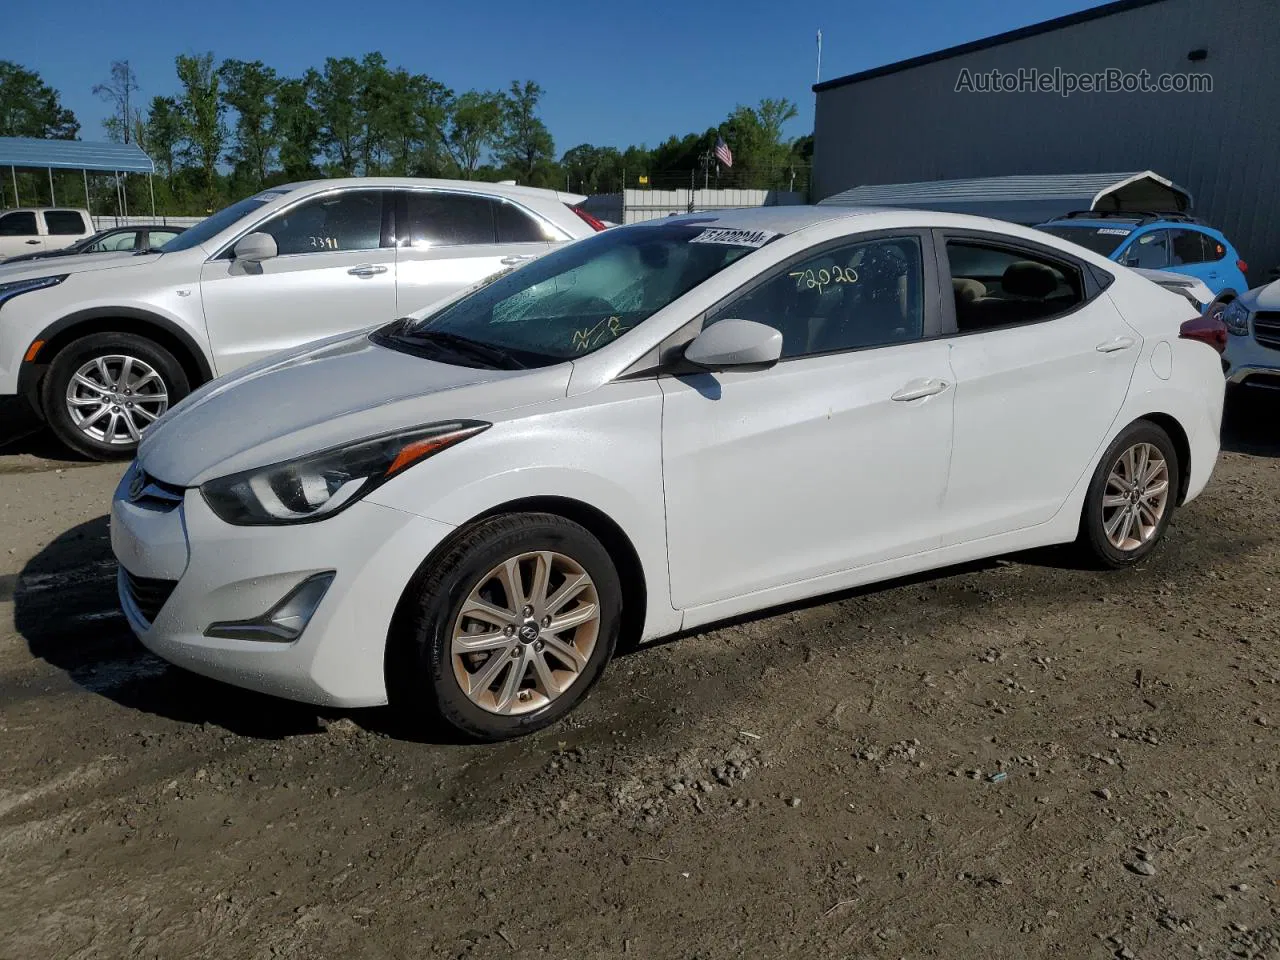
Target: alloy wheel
113, 398
525, 633
1136, 496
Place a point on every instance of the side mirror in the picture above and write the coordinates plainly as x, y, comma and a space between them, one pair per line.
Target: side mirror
255, 248
735, 343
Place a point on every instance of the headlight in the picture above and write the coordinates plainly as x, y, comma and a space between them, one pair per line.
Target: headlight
10, 290
1236, 316
321, 484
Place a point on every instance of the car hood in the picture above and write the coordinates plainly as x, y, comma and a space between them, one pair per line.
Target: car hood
75, 263
323, 395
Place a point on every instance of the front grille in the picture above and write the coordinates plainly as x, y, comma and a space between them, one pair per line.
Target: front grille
1269, 381
147, 595
1266, 328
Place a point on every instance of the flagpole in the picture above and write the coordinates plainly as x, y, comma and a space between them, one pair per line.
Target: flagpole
818, 76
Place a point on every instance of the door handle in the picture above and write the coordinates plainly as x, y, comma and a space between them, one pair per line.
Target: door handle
367, 270
518, 258
30, 242
1119, 343
919, 389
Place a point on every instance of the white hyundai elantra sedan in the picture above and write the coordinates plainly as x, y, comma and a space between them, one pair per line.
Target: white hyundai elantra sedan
658, 427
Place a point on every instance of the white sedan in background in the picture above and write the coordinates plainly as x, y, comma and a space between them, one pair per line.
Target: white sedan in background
652, 429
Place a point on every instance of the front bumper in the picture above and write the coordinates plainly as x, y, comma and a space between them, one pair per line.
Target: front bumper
212, 571
1248, 363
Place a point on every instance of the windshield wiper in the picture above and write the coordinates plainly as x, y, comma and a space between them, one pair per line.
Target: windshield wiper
485, 352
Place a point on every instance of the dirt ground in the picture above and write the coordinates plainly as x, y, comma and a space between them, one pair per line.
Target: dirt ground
1013, 759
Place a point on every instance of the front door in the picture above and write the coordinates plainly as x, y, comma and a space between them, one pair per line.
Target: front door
19, 234
1042, 362
834, 458
334, 272
449, 241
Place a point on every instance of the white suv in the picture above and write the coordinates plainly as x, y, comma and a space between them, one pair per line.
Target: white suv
38, 229
102, 346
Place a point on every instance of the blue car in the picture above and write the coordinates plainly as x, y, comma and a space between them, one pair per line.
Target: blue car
1157, 241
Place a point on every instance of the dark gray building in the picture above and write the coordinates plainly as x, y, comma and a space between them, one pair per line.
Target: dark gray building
935, 117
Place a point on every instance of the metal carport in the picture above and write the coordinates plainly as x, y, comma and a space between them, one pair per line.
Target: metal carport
82, 155
1027, 199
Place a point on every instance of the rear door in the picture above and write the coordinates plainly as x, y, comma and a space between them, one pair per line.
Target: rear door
1042, 363
334, 272
447, 241
64, 227
20, 233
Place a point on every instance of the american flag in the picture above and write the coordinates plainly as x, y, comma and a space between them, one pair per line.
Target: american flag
723, 153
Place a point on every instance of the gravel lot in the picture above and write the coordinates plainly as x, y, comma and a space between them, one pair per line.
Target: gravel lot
1012, 759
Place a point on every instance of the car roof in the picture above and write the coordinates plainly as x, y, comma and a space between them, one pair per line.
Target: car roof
785, 219
474, 186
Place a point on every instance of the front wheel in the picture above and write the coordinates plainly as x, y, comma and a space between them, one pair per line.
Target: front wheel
103, 391
1131, 497
509, 630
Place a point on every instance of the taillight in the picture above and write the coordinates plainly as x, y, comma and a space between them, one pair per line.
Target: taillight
1207, 328
588, 219
1244, 267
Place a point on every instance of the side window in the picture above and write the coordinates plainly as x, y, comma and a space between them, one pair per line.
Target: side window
516, 226
1150, 251
64, 223
158, 238
996, 286
1213, 250
864, 294
18, 225
331, 223
121, 241
448, 219
1186, 247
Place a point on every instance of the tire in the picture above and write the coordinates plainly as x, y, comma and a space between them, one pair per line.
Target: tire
100, 358
1100, 516
426, 673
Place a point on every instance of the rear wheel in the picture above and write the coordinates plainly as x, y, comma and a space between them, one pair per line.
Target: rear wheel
1131, 497
509, 630
103, 391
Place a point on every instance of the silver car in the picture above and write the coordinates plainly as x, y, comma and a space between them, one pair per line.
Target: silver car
1252, 358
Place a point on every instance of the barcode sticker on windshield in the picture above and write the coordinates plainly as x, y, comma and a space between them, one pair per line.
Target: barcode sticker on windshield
735, 238
1114, 232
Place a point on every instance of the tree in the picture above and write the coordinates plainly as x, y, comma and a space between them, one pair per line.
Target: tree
336, 95
297, 126
474, 127
250, 90
592, 169
755, 134
163, 133
117, 91
29, 107
526, 143
200, 112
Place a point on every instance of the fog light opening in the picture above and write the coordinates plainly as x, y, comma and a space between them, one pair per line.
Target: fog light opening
285, 621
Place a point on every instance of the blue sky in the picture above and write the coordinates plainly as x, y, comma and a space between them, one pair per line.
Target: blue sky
614, 73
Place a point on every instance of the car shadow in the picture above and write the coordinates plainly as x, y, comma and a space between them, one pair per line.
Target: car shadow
1249, 423
66, 608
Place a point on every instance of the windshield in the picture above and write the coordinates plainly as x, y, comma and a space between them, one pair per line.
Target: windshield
1103, 240
213, 225
578, 298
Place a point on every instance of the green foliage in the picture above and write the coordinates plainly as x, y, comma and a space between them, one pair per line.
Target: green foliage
250, 90
473, 128
363, 116
29, 107
200, 120
526, 147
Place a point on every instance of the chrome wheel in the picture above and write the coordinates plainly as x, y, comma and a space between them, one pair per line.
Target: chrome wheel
1136, 496
113, 398
525, 633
